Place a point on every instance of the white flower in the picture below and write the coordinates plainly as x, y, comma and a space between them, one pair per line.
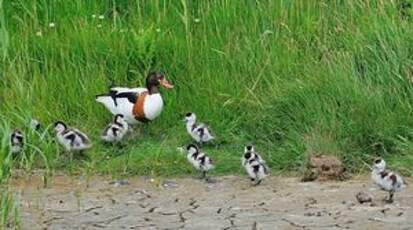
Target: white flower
93, 15
152, 180
158, 30
101, 17
52, 24
39, 33
99, 25
197, 20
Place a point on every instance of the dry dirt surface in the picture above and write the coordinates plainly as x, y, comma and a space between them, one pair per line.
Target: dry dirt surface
187, 203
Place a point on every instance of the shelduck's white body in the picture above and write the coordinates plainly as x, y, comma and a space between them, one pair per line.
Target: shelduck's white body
136, 104
152, 106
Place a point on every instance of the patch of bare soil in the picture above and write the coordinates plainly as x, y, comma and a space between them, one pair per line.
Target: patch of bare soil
186, 203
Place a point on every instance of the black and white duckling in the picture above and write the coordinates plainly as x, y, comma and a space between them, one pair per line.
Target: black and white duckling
35, 125
116, 130
199, 160
198, 131
137, 104
254, 165
252, 155
71, 139
386, 180
16, 141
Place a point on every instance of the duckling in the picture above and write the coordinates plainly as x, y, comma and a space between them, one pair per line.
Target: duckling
71, 139
115, 131
16, 141
199, 132
386, 180
252, 155
199, 160
35, 125
254, 165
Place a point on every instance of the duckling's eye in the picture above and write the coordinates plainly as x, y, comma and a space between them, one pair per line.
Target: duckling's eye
249, 148
377, 161
188, 114
248, 155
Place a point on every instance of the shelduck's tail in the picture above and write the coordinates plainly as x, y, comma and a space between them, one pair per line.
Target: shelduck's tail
103, 98
107, 101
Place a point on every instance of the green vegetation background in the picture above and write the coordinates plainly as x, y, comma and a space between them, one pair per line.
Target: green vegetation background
292, 77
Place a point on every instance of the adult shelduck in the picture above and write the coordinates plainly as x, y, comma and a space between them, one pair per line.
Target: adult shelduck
137, 104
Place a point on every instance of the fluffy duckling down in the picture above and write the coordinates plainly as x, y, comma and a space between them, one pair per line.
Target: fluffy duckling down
388, 181
16, 141
198, 131
254, 165
116, 130
71, 139
199, 160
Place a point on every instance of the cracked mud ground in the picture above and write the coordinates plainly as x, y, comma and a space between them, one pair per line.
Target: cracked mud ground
186, 203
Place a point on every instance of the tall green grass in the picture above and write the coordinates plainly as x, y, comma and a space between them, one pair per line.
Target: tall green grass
9, 218
293, 77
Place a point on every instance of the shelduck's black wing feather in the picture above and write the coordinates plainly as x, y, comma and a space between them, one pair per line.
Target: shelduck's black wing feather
114, 94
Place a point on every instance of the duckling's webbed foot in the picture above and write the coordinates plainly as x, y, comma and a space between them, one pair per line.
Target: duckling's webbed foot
257, 182
209, 180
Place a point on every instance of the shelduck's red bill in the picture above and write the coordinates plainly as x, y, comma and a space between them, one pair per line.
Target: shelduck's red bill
165, 83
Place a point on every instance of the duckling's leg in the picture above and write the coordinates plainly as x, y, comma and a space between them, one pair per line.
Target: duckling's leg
200, 144
204, 175
257, 182
120, 144
390, 199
